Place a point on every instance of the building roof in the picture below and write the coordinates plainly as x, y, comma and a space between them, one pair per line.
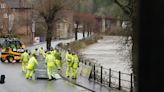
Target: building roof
16, 4
13, 3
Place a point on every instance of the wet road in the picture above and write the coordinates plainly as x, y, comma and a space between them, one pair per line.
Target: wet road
15, 82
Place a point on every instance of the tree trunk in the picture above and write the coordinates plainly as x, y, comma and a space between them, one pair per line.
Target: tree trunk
49, 36
90, 31
87, 30
76, 30
135, 53
48, 41
84, 32
135, 39
133, 14
88, 34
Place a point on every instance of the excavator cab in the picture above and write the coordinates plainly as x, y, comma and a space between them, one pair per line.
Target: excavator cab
11, 51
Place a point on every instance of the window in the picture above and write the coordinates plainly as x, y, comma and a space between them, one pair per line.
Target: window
5, 15
3, 5
58, 26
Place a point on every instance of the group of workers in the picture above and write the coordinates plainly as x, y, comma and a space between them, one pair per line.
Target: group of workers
53, 59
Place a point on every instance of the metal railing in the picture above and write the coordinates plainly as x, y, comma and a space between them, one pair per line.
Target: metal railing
109, 77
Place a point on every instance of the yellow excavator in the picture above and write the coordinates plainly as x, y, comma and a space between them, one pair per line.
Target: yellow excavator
11, 49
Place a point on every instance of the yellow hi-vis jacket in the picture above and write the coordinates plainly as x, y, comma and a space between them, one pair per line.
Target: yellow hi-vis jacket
32, 61
50, 60
41, 52
46, 54
53, 52
68, 57
25, 57
75, 61
57, 55
34, 52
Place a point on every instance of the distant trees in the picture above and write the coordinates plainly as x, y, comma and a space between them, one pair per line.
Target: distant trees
99, 7
87, 21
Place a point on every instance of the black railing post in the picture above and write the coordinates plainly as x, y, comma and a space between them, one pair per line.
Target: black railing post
89, 63
110, 77
119, 81
82, 61
85, 62
94, 72
131, 82
101, 73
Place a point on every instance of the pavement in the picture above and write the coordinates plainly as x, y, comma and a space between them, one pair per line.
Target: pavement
83, 81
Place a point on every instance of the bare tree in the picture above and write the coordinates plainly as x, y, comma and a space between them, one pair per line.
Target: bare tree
87, 20
48, 10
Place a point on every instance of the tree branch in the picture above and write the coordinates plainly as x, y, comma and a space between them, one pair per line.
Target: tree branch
55, 10
43, 15
57, 19
124, 8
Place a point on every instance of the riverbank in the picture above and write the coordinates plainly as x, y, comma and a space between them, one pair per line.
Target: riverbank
82, 43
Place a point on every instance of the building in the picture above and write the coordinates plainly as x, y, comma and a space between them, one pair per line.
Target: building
62, 29
17, 15
4, 12
22, 16
109, 23
64, 26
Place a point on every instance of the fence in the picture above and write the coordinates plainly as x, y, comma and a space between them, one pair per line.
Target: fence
109, 77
